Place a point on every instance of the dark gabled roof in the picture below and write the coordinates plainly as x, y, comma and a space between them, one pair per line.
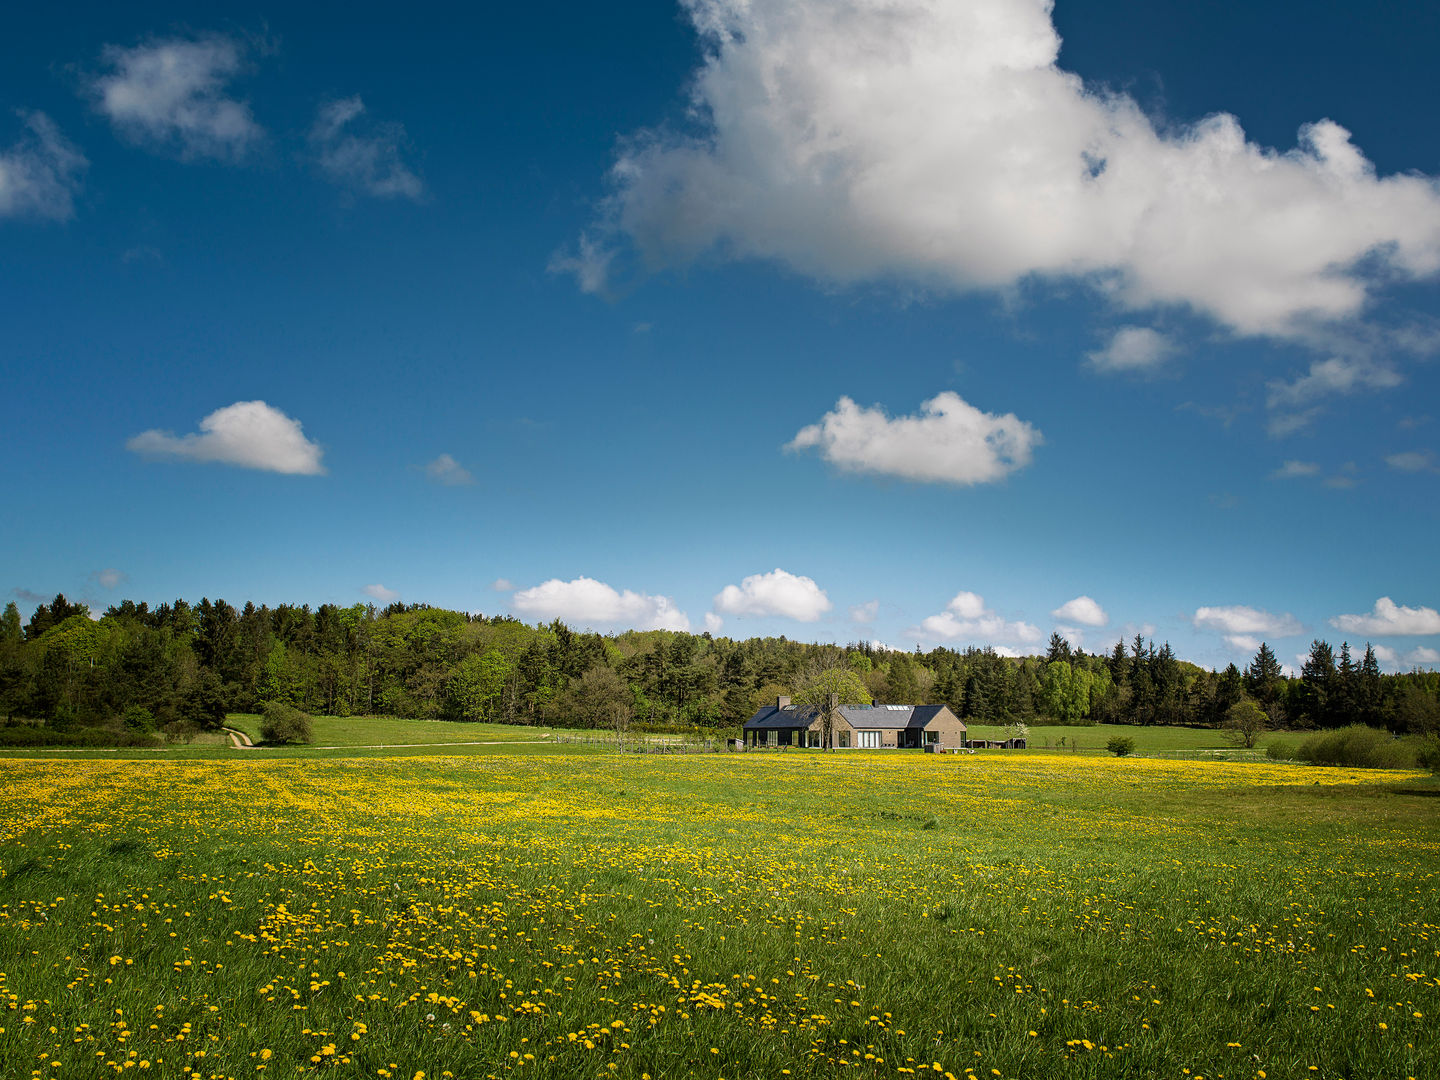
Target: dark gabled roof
792, 716
889, 717
925, 713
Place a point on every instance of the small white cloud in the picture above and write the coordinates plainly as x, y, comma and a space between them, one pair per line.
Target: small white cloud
1422, 655
1243, 642
501, 584
586, 601
1006, 650
966, 617
174, 94
590, 263
1292, 469
1413, 461
1082, 610
369, 161
1133, 350
250, 434
1337, 375
380, 593
1390, 618
865, 613
791, 596
446, 470
950, 441
1243, 623
713, 623
40, 172
1075, 635
109, 578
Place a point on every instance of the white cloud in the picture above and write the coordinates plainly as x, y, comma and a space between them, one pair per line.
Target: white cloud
1390, 618
967, 617
446, 470
941, 143
380, 593
1295, 400
1082, 610
1005, 650
250, 434
950, 441
790, 596
1413, 461
1133, 350
1422, 655
865, 613
369, 162
173, 94
40, 172
501, 584
1244, 626
109, 578
713, 623
1292, 469
586, 601
590, 264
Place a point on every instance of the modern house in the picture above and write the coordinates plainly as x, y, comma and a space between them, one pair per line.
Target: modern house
856, 727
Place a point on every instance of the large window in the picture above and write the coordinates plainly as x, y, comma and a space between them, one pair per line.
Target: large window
932, 736
815, 738
868, 740
844, 740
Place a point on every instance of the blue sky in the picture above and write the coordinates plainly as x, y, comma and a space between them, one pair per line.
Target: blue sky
910, 324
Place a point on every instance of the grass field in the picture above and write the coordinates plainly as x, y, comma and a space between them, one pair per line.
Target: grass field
1148, 740
392, 731
576, 915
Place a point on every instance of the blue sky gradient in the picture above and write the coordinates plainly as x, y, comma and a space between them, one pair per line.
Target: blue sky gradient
636, 433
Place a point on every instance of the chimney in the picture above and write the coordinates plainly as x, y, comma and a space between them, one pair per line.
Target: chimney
834, 702
781, 702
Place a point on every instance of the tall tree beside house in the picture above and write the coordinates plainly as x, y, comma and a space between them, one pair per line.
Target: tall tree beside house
901, 687
826, 688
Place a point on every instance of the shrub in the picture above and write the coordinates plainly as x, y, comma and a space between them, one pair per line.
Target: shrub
1359, 747
1428, 756
284, 724
1280, 750
1120, 745
138, 718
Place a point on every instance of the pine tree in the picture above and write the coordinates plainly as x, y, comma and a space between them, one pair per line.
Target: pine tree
1264, 681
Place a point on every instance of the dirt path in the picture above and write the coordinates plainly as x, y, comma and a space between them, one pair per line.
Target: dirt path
238, 738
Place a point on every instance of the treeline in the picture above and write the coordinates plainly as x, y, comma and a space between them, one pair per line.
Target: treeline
190, 664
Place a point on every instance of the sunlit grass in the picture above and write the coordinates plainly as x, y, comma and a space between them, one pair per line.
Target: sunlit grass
745, 915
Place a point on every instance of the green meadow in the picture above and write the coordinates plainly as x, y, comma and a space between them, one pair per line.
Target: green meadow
560, 911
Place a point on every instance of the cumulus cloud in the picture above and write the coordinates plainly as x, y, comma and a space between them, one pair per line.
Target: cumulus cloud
865, 613
173, 94
941, 143
380, 593
713, 623
1082, 610
109, 578
585, 601
363, 158
950, 441
790, 596
446, 470
1135, 350
40, 172
1390, 618
501, 584
1422, 655
1243, 626
967, 617
250, 434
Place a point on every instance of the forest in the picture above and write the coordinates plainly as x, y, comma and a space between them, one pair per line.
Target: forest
179, 666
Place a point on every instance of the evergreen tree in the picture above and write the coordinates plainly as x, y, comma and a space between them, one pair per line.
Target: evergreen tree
1265, 682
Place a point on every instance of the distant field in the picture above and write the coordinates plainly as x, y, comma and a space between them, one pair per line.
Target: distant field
390, 731
569, 914
1148, 740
